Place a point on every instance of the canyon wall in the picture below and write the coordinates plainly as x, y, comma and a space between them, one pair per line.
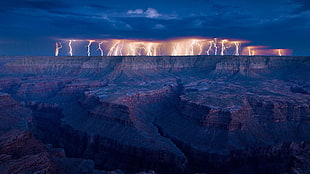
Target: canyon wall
187, 114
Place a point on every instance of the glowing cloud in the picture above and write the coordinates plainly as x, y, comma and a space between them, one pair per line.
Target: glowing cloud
149, 13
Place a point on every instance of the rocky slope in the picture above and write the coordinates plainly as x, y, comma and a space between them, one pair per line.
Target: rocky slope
212, 114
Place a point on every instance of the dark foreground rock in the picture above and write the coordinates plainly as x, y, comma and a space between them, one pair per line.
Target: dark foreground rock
199, 114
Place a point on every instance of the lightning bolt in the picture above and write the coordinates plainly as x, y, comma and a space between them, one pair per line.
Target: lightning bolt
88, 46
251, 51
237, 46
100, 49
215, 46
132, 49
175, 47
70, 48
175, 51
210, 47
223, 47
200, 48
116, 49
192, 47
58, 47
111, 51
198, 44
279, 52
140, 48
121, 47
151, 49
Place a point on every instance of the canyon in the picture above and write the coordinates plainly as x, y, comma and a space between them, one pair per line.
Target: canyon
165, 114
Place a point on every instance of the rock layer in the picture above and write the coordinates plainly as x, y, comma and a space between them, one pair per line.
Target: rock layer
213, 114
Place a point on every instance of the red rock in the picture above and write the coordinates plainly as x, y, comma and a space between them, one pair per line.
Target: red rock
212, 114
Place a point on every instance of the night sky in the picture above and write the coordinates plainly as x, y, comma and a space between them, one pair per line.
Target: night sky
31, 27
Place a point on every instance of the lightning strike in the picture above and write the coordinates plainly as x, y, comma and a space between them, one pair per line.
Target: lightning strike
210, 47
223, 47
116, 49
193, 47
88, 46
70, 48
58, 47
175, 47
250, 51
176, 51
197, 44
100, 48
152, 49
121, 48
237, 46
112, 49
182, 47
200, 47
215, 46
139, 48
279, 52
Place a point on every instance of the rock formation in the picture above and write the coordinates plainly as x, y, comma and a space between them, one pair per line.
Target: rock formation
196, 114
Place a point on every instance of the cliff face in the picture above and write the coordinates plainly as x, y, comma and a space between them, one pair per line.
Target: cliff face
19, 151
215, 114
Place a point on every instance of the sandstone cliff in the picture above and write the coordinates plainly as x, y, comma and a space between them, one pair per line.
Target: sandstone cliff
213, 114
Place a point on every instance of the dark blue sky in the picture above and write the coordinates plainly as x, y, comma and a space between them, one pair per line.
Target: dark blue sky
31, 27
